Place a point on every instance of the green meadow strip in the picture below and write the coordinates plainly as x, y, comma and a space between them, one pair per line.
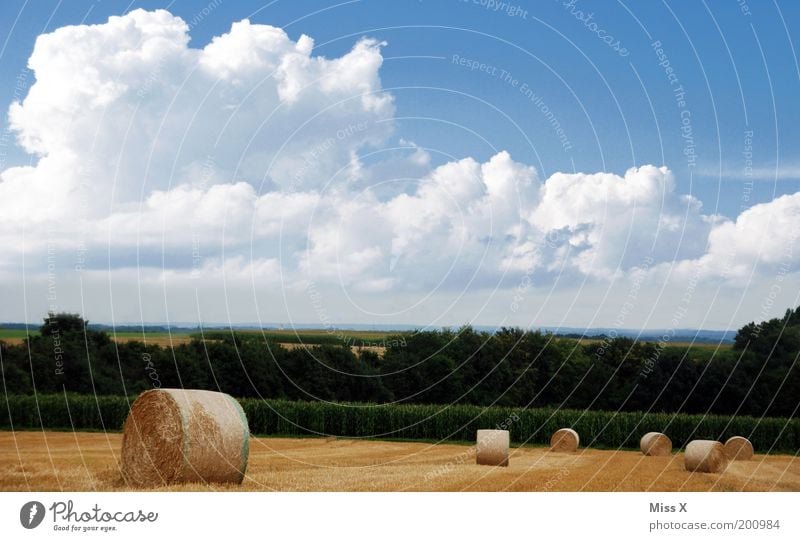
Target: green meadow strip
420, 422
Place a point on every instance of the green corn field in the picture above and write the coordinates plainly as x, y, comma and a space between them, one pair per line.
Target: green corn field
413, 422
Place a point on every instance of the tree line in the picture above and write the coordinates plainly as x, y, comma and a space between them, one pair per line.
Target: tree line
511, 367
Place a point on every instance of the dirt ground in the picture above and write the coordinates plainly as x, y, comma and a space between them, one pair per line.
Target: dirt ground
52, 461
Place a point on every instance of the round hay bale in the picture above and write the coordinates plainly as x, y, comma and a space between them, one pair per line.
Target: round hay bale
565, 440
492, 447
738, 448
182, 436
655, 444
705, 456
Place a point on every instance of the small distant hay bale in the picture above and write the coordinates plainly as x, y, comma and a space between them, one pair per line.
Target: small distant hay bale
739, 448
705, 456
565, 440
492, 447
176, 436
655, 444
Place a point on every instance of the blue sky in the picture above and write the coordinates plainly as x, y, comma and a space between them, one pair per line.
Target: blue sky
562, 86
739, 69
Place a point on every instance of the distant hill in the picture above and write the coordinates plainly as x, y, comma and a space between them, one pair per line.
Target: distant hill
651, 335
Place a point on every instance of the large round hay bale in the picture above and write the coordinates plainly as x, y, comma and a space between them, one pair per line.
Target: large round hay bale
655, 444
565, 440
182, 436
705, 456
492, 447
738, 448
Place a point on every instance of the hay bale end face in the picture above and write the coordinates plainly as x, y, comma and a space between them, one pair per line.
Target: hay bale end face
565, 440
739, 448
655, 444
492, 447
182, 436
705, 456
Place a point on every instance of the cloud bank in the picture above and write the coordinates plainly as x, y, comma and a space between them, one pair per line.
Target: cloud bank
243, 162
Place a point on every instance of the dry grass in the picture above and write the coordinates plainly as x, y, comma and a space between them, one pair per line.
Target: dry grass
163, 340
379, 350
45, 461
680, 344
363, 335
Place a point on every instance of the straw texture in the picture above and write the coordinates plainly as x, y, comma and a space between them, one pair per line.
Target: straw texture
565, 440
705, 456
655, 444
492, 447
739, 448
181, 436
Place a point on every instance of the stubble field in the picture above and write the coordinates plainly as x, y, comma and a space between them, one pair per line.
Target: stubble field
53, 461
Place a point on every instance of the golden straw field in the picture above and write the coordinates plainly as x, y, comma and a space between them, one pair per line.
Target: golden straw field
88, 461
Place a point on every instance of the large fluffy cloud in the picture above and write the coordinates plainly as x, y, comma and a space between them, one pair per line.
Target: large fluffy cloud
455, 226
764, 240
126, 107
616, 222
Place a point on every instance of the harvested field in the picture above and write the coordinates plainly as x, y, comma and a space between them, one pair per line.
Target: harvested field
85, 461
163, 340
15, 337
